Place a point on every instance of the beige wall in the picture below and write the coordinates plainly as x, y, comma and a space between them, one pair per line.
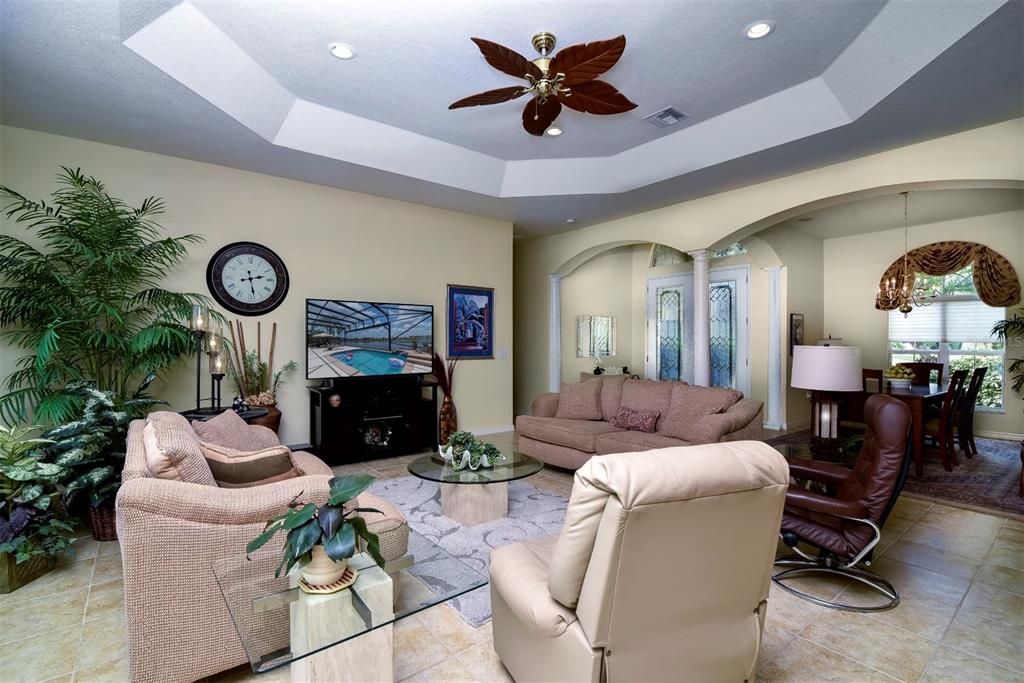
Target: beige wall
853, 266
334, 243
601, 287
984, 157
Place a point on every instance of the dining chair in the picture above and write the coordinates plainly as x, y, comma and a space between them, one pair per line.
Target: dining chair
940, 428
965, 413
871, 383
923, 371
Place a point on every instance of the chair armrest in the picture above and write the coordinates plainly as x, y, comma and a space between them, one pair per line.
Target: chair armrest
545, 405
827, 505
815, 470
212, 505
713, 428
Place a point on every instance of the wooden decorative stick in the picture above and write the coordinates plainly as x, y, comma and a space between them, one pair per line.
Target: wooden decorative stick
234, 347
270, 359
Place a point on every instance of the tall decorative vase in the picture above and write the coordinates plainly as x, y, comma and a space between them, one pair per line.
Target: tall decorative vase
448, 422
272, 420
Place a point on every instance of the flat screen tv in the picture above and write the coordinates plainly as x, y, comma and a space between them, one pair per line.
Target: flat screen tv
367, 338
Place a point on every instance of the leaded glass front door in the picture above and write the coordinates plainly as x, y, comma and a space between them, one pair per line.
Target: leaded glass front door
670, 327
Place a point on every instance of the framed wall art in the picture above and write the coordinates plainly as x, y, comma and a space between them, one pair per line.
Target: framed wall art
470, 321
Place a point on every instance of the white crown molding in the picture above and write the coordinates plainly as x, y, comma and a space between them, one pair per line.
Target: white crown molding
903, 38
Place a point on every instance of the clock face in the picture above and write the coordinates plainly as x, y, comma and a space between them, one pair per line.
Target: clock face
247, 278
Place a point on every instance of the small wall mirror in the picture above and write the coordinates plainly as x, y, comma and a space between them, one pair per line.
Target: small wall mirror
595, 336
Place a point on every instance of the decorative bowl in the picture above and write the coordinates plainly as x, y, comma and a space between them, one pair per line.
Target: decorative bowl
898, 383
464, 460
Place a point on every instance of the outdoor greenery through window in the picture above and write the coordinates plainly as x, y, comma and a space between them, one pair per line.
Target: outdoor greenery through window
954, 330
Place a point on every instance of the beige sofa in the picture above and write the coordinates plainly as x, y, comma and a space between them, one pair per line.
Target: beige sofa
688, 414
661, 571
171, 531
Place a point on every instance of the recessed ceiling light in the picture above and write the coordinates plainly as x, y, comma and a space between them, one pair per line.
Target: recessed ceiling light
759, 29
570, 221
342, 50
554, 132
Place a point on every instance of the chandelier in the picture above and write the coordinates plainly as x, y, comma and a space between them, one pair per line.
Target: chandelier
903, 293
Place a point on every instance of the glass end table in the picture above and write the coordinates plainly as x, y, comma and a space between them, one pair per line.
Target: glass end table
472, 497
344, 636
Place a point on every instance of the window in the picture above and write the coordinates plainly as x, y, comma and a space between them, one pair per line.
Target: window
954, 330
664, 255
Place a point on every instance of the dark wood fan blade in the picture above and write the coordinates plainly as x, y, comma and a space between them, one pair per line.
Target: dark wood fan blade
596, 97
587, 61
506, 60
537, 116
489, 97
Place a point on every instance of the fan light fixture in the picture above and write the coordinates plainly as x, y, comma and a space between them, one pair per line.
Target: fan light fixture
759, 29
554, 132
342, 50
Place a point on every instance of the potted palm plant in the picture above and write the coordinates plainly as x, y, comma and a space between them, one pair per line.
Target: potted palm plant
32, 532
1011, 331
321, 539
83, 299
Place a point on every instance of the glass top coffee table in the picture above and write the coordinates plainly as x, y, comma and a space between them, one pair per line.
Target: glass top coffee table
344, 636
472, 497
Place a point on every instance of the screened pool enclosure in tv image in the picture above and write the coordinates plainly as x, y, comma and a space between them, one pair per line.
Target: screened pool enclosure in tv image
367, 339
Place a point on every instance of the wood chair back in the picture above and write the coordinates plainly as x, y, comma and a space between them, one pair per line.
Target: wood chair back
970, 398
923, 372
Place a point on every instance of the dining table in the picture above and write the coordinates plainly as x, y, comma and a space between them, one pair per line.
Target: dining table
918, 397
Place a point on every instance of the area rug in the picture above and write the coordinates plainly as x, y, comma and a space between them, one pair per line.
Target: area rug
988, 481
532, 513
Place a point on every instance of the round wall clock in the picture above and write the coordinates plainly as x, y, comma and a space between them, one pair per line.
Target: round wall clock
247, 278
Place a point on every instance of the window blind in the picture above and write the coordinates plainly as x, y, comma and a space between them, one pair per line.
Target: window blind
957, 320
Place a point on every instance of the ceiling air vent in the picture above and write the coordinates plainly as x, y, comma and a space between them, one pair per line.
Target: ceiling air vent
665, 117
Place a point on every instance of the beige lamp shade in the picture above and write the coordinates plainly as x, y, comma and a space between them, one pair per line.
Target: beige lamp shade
827, 368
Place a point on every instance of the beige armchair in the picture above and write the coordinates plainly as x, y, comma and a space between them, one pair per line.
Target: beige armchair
170, 532
661, 571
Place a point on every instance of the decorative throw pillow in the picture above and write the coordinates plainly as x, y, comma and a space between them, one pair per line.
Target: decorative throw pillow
232, 468
172, 452
228, 429
637, 420
580, 401
690, 403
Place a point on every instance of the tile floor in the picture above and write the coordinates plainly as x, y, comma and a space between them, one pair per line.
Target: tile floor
960, 574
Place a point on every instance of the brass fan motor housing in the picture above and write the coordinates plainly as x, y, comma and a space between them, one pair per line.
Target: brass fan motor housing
543, 42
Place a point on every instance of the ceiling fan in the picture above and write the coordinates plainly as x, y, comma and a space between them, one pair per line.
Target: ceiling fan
569, 78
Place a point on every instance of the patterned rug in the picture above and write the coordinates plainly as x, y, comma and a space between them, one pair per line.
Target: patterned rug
988, 481
532, 513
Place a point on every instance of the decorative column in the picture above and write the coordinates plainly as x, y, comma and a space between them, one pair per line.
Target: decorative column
701, 324
555, 333
776, 385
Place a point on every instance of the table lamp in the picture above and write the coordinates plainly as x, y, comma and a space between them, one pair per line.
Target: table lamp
826, 371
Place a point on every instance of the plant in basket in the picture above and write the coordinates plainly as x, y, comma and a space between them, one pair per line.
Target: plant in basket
321, 539
255, 378
32, 528
91, 450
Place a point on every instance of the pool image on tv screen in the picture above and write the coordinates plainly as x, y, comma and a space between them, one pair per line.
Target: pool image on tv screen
364, 338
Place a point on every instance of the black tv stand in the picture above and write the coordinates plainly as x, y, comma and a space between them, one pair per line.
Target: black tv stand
360, 418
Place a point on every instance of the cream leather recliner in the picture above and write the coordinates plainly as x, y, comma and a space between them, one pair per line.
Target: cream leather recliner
661, 571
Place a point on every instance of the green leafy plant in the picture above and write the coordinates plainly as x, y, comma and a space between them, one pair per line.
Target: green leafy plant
30, 523
87, 302
460, 442
91, 449
334, 525
255, 378
1011, 331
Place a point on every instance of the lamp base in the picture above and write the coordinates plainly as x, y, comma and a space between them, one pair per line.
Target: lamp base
829, 450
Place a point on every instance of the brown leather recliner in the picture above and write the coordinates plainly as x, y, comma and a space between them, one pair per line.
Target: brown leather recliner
845, 523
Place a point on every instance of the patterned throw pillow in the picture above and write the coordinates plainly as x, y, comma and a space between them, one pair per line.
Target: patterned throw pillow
637, 420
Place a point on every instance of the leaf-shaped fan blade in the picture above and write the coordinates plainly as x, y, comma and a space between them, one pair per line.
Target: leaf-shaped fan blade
538, 116
596, 97
587, 61
489, 97
506, 60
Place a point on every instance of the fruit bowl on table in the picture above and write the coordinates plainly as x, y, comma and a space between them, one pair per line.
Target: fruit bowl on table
899, 382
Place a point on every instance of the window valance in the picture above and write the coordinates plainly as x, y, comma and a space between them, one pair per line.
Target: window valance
995, 279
